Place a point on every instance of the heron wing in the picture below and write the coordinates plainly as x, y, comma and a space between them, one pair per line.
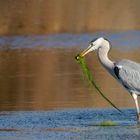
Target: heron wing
128, 72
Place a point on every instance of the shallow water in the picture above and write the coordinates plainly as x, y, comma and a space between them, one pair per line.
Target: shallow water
120, 40
39, 73
75, 124
33, 79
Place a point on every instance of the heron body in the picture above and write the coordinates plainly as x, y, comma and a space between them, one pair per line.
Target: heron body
129, 75
127, 72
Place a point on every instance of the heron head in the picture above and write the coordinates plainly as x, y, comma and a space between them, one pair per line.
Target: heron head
93, 45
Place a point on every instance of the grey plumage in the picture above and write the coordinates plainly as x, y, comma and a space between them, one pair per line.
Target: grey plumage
129, 75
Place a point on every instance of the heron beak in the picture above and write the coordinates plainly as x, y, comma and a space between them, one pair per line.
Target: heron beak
86, 51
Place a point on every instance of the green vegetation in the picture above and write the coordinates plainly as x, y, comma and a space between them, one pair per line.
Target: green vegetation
87, 73
107, 123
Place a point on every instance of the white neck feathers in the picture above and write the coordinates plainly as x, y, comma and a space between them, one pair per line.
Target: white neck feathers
103, 55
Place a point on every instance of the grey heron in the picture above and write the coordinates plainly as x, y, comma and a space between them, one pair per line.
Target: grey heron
127, 72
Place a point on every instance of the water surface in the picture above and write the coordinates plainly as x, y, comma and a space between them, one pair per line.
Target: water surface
76, 124
39, 74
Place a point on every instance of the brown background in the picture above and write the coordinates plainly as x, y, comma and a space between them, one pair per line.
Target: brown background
54, 16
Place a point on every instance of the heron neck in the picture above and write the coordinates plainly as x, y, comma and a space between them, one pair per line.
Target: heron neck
105, 61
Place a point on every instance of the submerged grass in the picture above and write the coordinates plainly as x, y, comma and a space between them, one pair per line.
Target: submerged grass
106, 123
87, 73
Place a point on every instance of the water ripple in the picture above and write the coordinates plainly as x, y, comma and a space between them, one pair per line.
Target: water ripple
70, 124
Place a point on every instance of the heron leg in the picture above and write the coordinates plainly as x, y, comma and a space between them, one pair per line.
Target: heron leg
135, 96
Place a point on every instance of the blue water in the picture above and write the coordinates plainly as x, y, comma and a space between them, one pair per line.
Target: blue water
72, 124
121, 40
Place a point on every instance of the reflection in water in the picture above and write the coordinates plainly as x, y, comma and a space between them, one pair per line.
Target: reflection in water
34, 79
